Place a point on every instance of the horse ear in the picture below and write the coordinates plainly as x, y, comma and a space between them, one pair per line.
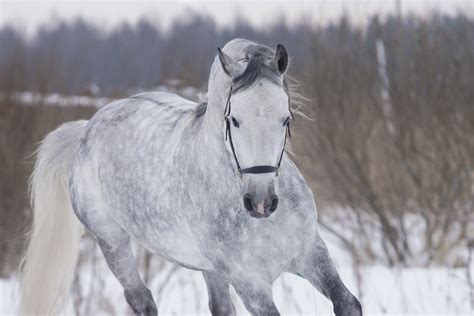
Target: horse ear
281, 59
230, 66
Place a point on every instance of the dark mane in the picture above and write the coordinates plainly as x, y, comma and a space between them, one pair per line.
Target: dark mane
200, 109
259, 65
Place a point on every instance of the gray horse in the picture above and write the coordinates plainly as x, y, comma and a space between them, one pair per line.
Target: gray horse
206, 186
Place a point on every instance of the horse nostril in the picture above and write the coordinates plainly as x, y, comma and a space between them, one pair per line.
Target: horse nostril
274, 204
248, 202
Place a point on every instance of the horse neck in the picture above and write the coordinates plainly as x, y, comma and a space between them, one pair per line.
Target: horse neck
212, 138
217, 96
217, 93
214, 116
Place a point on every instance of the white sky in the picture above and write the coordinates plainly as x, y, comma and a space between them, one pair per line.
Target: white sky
27, 15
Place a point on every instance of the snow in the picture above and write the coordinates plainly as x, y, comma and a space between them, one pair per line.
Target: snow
7, 296
412, 290
32, 98
55, 99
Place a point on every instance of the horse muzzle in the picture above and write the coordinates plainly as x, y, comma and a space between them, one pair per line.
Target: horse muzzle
260, 208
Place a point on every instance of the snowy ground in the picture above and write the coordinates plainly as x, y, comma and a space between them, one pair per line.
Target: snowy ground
382, 290
56, 99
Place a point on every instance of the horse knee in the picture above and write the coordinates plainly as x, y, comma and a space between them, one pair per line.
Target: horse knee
351, 307
141, 301
221, 308
257, 297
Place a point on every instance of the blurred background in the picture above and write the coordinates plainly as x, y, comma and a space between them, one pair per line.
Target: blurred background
388, 148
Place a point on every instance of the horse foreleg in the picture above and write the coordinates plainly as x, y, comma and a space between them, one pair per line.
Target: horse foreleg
256, 295
318, 268
116, 247
220, 302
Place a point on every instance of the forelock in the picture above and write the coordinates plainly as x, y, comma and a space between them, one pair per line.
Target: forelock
260, 65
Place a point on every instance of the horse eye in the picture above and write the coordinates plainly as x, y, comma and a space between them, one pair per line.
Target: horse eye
287, 121
234, 121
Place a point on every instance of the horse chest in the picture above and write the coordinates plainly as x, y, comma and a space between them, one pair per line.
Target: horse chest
242, 244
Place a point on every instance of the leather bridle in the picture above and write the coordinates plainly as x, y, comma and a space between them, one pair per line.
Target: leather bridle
228, 136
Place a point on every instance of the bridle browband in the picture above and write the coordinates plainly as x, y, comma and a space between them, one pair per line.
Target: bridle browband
228, 136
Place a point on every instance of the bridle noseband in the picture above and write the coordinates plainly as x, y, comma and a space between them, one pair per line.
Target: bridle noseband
228, 136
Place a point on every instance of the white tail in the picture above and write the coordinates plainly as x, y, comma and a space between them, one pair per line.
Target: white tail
48, 266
